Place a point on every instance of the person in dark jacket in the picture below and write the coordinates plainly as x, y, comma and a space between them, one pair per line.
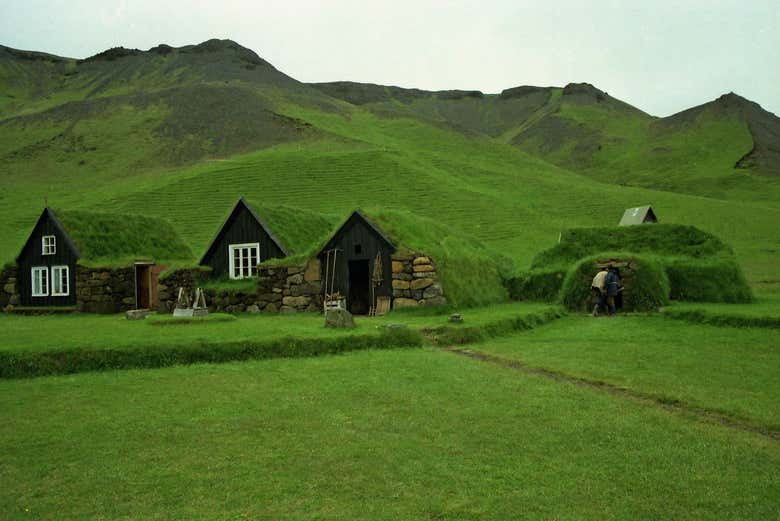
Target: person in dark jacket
613, 287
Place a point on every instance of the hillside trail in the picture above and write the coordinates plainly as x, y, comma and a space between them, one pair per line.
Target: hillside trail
700, 414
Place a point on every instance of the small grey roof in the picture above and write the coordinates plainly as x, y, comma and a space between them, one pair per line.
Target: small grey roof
638, 215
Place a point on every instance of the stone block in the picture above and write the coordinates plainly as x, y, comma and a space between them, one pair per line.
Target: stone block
287, 310
339, 318
403, 276
424, 274
10, 288
296, 301
292, 270
402, 293
421, 268
271, 297
421, 283
308, 289
398, 266
433, 291
313, 271
271, 308
421, 260
295, 279
400, 284
253, 309
435, 301
404, 303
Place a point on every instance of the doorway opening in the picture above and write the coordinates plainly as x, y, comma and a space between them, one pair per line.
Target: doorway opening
359, 284
145, 285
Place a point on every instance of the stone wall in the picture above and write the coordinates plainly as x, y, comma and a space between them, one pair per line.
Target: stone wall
282, 289
105, 290
9, 293
416, 282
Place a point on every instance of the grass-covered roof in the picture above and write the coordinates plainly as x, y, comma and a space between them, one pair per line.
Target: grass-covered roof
112, 239
296, 228
669, 240
471, 273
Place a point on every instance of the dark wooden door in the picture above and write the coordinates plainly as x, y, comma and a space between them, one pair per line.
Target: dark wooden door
143, 286
359, 299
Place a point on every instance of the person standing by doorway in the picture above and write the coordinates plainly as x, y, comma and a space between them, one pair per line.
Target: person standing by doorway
613, 287
599, 289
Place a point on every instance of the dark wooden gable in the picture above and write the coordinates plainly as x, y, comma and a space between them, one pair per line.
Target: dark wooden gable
357, 242
242, 226
66, 254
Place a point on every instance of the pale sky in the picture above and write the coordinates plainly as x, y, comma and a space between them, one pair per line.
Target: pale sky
661, 56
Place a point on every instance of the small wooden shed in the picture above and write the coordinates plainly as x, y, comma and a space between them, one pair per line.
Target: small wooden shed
242, 242
360, 263
638, 215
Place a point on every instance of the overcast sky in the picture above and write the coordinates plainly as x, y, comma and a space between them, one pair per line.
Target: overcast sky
660, 56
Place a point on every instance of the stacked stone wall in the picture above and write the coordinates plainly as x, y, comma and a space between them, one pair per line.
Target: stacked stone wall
416, 282
9, 292
288, 289
105, 290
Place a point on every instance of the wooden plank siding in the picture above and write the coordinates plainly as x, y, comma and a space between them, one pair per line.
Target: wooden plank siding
241, 227
358, 240
32, 256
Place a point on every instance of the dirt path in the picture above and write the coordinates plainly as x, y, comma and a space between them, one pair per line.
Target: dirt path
697, 413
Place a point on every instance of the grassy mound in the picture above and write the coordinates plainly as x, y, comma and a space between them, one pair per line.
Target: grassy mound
111, 239
647, 290
538, 284
707, 280
170, 320
657, 239
471, 273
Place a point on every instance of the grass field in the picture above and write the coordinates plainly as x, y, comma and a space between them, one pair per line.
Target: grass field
36, 333
727, 370
373, 435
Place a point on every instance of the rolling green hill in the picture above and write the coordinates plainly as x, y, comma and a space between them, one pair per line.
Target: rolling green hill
182, 133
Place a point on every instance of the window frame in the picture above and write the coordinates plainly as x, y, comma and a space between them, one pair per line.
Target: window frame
66, 271
231, 264
40, 269
53, 245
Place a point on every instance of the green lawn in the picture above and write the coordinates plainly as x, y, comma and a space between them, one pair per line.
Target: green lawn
86, 331
729, 370
763, 306
397, 434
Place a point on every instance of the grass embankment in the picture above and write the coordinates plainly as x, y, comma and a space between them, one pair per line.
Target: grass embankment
89, 343
726, 370
373, 435
764, 312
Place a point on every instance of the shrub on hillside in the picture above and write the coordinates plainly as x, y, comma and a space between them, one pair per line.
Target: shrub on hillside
707, 280
647, 289
543, 285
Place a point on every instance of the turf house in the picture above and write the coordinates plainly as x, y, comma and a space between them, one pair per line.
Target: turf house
357, 263
93, 262
242, 242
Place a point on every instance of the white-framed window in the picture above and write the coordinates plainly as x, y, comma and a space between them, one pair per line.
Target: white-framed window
49, 244
59, 281
243, 259
40, 281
